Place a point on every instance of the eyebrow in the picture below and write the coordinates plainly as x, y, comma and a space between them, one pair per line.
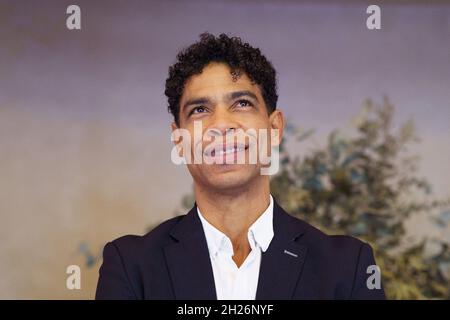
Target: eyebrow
239, 94
202, 100
229, 96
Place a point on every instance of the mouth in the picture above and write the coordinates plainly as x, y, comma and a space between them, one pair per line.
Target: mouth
220, 151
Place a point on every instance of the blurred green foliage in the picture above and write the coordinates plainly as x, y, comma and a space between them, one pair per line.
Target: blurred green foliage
364, 184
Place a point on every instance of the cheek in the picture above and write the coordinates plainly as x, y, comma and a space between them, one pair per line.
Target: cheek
256, 122
262, 128
193, 135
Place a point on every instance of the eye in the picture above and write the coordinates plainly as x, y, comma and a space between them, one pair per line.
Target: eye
199, 109
244, 103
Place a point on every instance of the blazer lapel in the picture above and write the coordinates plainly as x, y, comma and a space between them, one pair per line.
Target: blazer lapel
188, 260
282, 263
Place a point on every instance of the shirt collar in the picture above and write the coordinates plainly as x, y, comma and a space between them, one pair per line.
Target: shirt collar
262, 229
259, 234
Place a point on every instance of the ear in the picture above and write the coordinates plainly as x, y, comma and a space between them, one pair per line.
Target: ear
176, 142
277, 122
174, 126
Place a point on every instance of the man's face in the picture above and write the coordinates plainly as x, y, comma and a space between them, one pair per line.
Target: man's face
224, 106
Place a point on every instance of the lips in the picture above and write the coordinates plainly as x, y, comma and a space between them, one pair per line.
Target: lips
224, 150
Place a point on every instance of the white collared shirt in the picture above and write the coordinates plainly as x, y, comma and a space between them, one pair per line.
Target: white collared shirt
233, 283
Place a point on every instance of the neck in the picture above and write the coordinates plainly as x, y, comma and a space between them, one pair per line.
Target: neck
234, 212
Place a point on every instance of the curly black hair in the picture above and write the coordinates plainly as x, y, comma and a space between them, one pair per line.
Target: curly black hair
239, 56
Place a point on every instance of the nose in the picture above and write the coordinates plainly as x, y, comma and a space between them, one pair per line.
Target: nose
222, 122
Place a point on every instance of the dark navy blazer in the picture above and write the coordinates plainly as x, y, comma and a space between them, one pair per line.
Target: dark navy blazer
172, 262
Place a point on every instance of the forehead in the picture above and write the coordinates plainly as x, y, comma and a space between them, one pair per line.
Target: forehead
214, 81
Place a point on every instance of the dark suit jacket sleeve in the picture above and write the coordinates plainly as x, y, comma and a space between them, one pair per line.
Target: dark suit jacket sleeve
360, 288
113, 282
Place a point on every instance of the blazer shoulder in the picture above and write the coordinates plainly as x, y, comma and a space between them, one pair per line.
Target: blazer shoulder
157, 237
339, 245
341, 260
121, 275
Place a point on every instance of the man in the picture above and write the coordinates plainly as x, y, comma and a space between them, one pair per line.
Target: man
236, 242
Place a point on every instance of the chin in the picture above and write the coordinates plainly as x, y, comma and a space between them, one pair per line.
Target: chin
231, 176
